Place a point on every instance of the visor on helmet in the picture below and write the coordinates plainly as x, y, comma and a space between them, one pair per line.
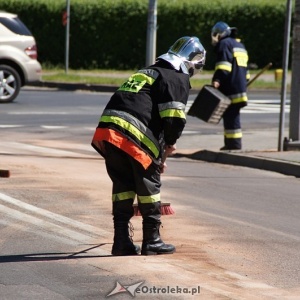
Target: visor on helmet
191, 52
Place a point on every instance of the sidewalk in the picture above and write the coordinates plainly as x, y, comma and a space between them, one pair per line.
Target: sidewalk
263, 153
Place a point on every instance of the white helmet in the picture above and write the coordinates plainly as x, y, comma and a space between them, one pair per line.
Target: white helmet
191, 52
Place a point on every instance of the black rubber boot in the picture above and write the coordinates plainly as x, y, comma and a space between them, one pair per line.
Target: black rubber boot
152, 243
123, 245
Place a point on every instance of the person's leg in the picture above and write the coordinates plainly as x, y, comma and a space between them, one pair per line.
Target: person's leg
123, 193
232, 129
148, 193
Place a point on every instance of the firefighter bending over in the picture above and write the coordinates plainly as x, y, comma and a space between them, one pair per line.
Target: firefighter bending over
144, 118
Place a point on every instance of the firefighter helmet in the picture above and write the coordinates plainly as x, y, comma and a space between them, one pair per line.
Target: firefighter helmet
219, 31
191, 52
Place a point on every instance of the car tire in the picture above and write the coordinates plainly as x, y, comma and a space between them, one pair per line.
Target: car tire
10, 84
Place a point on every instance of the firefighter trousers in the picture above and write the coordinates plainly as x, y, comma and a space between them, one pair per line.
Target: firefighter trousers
232, 128
130, 179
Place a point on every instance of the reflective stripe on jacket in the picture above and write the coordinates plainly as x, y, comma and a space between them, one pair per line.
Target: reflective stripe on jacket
117, 139
231, 70
148, 110
131, 126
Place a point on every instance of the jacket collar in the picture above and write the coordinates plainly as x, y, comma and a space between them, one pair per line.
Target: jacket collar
175, 61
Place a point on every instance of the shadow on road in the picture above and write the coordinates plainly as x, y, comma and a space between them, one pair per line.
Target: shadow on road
50, 256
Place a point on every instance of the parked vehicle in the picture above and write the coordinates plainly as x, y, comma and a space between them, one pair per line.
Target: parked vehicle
18, 57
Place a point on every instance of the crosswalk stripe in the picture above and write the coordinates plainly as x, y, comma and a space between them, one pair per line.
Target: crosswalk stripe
256, 107
10, 126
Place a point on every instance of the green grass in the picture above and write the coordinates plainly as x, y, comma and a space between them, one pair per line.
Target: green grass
115, 77
89, 77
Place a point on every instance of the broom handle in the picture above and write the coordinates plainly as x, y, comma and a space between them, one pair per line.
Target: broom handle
166, 153
259, 73
164, 157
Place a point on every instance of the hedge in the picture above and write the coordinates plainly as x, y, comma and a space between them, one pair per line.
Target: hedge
111, 34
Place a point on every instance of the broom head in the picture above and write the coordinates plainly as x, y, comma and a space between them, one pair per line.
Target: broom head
165, 209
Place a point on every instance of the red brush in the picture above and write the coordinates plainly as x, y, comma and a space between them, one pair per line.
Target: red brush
165, 208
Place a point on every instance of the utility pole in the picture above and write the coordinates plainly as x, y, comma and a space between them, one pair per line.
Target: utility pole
285, 64
294, 129
151, 32
67, 37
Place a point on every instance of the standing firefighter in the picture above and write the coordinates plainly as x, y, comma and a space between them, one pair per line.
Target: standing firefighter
230, 77
143, 118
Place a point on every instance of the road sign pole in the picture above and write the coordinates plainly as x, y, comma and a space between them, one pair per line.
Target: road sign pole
285, 64
294, 129
151, 33
67, 37
295, 89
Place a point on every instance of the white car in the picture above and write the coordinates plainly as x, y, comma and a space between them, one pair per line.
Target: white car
18, 57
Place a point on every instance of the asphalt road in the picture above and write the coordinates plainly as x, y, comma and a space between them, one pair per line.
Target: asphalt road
82, 110
236, 229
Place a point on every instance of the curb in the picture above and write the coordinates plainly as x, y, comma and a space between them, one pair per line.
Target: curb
286, 168
69, 86
82, 86
238, 159
74, 86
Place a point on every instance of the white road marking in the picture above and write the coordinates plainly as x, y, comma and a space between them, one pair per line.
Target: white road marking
53, 216
187, 132
247, 224
38, 149
90, 128
53, 127
82, 233
256, 107
41, 113
75, 235
38, 113
11, 126
220, 282
46, 127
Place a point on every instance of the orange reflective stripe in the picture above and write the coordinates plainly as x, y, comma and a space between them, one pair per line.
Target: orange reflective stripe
120, 141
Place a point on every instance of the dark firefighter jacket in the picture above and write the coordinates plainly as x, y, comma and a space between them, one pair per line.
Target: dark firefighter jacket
145, 112
231, 70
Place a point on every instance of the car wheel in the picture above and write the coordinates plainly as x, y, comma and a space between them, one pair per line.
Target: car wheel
10, 84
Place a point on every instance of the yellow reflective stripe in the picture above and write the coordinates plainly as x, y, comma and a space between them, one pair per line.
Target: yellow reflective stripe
134, 121
172, 113
133, 130
142, 77
135, 82
239, 99
123, 196
223, 65
132, 86
240, 54
149, 199
233, 134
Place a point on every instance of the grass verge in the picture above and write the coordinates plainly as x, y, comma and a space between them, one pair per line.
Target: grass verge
114, 77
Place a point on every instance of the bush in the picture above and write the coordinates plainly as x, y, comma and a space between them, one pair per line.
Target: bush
111, 34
